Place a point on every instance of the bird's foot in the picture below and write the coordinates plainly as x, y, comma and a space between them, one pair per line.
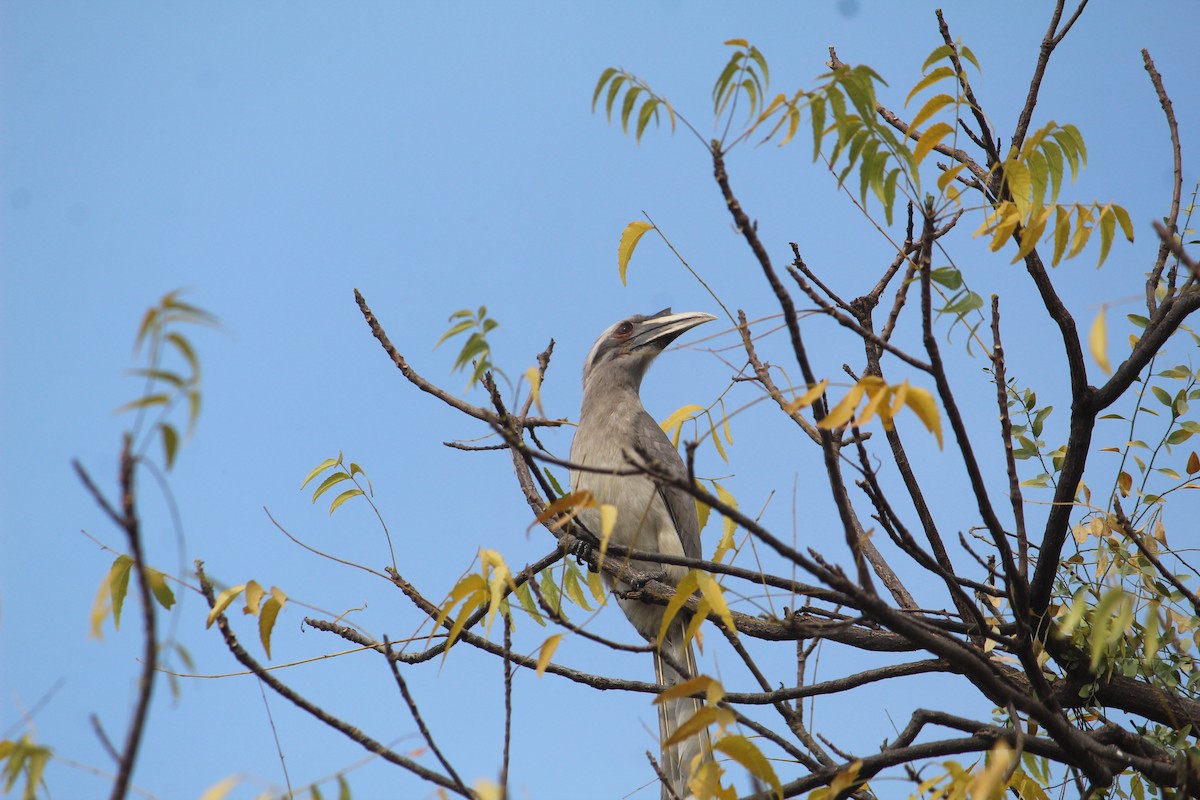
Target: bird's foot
583, 552
639, 582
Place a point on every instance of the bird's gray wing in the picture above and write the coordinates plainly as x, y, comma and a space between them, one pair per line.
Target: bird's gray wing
680, 505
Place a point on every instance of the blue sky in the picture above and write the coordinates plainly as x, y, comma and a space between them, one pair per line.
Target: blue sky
273, 157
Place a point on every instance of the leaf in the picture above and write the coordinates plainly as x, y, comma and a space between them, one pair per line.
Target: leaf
683, 590
223, 600
1193, 464
679, 416
324, 465
266, 618
931, 107
743, 751
608, 521
571, 503
933, 77
159, 588
144, 402
711, 591
808, 398
343, 497
525, 597
630, 237
547, 652
1098, 342
535, 388
254, 596
604, 78
170, 440
700, 683
100, 608
925, 407
218, 791
455, 330
573, 589
118, 584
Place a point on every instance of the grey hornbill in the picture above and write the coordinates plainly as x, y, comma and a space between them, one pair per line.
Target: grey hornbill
613, 429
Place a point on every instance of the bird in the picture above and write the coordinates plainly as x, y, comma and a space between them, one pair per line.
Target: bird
614, 427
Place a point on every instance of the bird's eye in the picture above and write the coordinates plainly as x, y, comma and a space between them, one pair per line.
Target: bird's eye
623, 330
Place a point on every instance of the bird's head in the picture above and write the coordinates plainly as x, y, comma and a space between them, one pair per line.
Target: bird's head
625, 351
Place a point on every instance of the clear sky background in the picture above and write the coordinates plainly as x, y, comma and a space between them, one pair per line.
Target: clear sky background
271, 157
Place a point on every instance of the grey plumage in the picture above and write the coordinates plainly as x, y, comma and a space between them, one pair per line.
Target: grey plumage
613, 427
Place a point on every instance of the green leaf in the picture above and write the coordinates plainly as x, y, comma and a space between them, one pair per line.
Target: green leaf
931, 107
455, 330
343, 497
604, 78
170, 440
930, 139
118, 586
949, 277
329, 483
1163, 395
940, 52
933, 77
159, 588
144, 402
571, 585
324, 465
525, 597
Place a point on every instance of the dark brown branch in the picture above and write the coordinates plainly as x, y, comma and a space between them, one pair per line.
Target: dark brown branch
416, 715
986, 139
421, 383
287, 693
1177, 180
1014, 482
127, 520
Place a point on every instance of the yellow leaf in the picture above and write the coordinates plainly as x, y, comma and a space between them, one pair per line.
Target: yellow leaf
743, 751
220, 790
100, 608
988, 782
876, 391
266, 619
925, 407
844, 779
1098, 341
630, 237
728, 499
547, 652
596, 585
223, 600
535, 388
930, 139
716, 598
931, 107
571, 503
500, 577
699, 721
1125, 481
843, 411
608, 521
700, 683
487, 790
712, 430
683, 590
254, 596
807, 399
679, 416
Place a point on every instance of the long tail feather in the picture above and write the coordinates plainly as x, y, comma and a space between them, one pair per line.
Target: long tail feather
676, 760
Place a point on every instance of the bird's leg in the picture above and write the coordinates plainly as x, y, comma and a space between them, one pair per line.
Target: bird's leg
583, 551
